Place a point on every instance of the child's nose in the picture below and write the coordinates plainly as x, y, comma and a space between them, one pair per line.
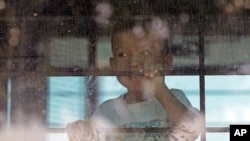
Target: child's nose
134, 62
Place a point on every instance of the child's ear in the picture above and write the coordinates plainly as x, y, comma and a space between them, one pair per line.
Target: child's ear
112, 64
168, 62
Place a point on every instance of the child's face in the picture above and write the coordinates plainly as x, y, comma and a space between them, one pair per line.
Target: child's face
137, 55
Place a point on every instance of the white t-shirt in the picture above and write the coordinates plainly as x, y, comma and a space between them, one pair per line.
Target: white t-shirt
118, 114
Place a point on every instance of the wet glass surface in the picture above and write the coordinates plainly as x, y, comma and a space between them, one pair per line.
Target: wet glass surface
55, 58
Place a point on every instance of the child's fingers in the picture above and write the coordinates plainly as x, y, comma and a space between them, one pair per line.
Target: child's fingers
150, 70
78, 130
72, 132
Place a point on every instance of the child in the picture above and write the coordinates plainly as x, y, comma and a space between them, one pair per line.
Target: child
139, 46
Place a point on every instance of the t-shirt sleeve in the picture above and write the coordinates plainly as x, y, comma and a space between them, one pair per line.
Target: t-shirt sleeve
103, 111
106, 113
179, 94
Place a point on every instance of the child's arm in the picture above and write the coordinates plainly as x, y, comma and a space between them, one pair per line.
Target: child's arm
183, 118
187, 121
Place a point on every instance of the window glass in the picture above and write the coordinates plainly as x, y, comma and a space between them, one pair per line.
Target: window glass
217, 137
56, 137
188, 84
41, 40
68, 52
103, 52
227, 100
227, 50
65, 101
109, 87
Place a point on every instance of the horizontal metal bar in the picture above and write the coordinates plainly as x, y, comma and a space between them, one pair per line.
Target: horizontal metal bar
192, 17
117, 130
177, 70
217, 129
140, 130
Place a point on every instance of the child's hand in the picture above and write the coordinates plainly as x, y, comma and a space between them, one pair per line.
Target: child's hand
151, 79
80, 131
150, 71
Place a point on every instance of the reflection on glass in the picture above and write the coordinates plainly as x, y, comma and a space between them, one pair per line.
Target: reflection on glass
68, 52
227, 100
66, 100
103, 52
227, 49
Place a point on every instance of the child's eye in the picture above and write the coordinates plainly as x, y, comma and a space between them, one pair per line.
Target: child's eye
122, 54
145, 53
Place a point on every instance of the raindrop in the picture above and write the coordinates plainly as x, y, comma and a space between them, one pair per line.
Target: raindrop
229, 8
238, 3
138, 31
14, 32
35, 14
13, 41
2, 5
104, 12
247, 4
184, 18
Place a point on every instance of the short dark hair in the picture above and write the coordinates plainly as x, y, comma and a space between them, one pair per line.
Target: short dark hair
125, 24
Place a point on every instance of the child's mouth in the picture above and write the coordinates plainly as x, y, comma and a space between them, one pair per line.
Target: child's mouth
132, 78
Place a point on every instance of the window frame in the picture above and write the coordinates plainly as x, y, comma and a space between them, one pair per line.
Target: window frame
92, 71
